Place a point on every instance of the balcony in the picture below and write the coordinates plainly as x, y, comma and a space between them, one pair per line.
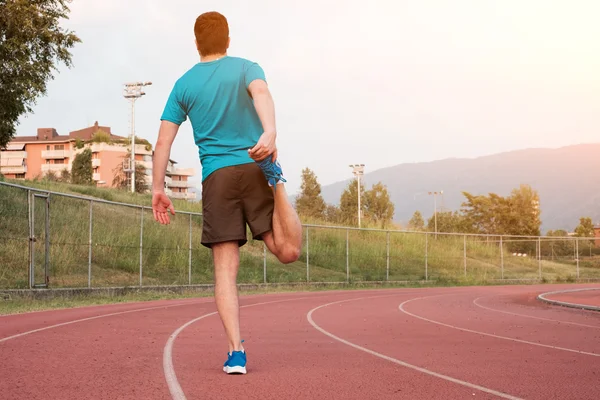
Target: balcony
96, 162
183, 196
180, 184
183, 171
96, 176
54, 167
145, 164
55, 154
13, 154
21, 169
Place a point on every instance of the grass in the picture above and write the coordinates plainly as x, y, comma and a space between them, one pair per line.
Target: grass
27, 303
334, 254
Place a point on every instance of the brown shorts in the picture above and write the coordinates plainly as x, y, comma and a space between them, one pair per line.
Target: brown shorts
233, 197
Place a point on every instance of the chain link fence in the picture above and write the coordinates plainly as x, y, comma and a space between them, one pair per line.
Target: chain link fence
58, 240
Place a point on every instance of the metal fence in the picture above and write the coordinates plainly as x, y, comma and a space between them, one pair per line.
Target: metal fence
50, 239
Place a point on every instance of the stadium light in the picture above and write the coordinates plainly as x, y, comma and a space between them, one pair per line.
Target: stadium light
132, 92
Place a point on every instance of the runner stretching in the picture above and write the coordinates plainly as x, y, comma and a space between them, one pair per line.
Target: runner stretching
233, 118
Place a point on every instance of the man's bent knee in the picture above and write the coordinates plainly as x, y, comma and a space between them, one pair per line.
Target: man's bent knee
289, 255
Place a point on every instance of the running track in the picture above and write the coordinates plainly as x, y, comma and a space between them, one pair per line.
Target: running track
443, 343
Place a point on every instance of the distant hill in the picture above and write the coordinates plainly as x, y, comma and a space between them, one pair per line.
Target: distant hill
567, 180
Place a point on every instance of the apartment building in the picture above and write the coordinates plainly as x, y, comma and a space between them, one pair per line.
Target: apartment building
597, 235
30, 157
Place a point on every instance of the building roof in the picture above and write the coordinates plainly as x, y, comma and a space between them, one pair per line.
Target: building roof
50, 135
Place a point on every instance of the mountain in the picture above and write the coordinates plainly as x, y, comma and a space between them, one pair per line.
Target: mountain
567, 180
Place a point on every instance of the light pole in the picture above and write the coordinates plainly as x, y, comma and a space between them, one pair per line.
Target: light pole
358, 170
133, 91
435, 207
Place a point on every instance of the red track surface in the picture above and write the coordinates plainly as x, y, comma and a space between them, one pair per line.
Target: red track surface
586, 297
447, 343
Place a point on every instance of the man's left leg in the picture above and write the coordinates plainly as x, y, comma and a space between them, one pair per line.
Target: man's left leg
285, 239
271, 216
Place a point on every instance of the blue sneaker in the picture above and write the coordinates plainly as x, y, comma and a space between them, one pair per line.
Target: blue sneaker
272, 171
236, 363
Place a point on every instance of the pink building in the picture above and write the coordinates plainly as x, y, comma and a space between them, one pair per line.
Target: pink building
28, 157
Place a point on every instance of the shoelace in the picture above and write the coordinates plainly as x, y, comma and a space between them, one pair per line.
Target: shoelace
271, 171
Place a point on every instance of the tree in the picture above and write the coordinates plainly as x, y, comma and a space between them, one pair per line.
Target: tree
31, 44
310, 203
65, 176
122, 180
51, 176
332, 213
81, 171
585, 227
524, 212
349, 203
101, 137
378, 206
416, 222
449, 222
518, 214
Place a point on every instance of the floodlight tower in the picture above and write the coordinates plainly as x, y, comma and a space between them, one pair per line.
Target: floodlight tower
441, 192
132, 92
358, 170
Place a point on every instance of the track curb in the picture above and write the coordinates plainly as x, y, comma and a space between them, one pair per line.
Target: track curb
542, 297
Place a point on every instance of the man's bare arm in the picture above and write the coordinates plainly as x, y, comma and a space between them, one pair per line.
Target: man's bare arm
265, 108
162, 153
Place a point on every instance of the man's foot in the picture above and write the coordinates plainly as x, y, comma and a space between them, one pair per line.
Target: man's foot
236, 363
272, 171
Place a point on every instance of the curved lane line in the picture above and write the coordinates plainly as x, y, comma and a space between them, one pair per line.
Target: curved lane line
476, 302
401, 307
399, 362
97, 317
169, 370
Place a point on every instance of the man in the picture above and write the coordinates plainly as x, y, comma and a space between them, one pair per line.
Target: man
233, 118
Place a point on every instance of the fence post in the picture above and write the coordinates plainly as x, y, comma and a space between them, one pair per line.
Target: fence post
190, 254
31, 240
141, 241
465, 253
539, 246
307, 256
426, 254
90, 247
577, 252
501, 259
265, 262
347, 255
387, 268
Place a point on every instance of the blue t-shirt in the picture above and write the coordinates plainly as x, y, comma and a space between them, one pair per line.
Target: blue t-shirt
214, 95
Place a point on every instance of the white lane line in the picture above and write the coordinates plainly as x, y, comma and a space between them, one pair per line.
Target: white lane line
401, 307
567, 304
476, 302
399, 362
97, 317
169, 370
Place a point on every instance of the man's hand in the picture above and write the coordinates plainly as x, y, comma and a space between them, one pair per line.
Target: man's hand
160, 205
266, 146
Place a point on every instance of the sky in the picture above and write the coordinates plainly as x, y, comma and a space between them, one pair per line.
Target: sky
380, 82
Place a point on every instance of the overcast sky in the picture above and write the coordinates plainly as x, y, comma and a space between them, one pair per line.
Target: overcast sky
380, 82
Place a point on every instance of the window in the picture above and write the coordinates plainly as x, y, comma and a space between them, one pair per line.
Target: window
20, 176
47, 147
59, 147
59, 161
